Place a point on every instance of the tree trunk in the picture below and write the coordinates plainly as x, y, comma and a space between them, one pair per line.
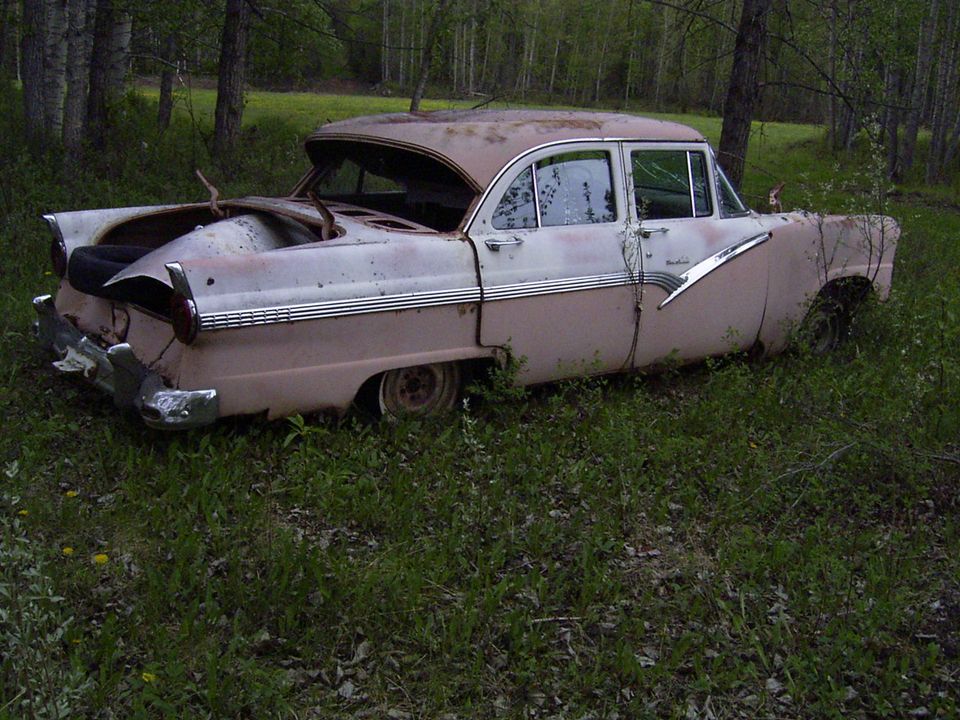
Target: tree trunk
945, 95
165, 105
385, 44
233, 50
54, 67
892, 123
743, 88
119, 64
34, 37
98, 96
79, 42
834, 42
8, 26
429, 44
920, 82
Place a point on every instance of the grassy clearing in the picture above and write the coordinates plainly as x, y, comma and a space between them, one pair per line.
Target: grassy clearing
773, 539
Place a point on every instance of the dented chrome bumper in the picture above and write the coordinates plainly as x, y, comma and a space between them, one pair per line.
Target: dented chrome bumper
117, 372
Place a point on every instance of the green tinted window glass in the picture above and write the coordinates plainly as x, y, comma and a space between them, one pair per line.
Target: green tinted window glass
661, 184
701, 194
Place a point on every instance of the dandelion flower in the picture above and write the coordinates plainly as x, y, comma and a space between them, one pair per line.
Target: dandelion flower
71, 493
68, 551
23, 513
148, 677
753, 445
100, 559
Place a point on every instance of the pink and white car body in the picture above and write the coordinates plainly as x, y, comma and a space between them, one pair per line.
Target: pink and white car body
581, 243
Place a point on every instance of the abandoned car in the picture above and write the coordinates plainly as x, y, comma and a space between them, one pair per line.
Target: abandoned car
421, 247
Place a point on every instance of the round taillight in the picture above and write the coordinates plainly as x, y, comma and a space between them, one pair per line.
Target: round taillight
183, 316
58, 256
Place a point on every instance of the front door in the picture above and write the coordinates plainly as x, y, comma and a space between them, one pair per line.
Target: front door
701, 253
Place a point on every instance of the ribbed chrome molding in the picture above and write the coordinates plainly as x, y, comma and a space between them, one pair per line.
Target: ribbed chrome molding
337, 308
410, 301
699, 271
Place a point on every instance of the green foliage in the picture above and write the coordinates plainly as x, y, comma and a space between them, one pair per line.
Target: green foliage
40, 673
768, 539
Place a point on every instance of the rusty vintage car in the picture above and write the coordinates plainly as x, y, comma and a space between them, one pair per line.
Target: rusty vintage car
421, 247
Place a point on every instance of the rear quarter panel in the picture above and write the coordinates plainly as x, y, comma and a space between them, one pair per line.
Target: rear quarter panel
301, 329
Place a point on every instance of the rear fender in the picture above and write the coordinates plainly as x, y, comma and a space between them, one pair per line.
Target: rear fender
90, 227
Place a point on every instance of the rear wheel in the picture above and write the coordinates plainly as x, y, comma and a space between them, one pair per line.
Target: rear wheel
420, 390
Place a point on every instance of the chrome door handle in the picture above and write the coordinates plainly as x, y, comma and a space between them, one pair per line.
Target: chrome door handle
647, 232
495, 245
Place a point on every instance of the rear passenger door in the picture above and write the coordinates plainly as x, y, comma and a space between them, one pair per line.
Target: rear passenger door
702, 255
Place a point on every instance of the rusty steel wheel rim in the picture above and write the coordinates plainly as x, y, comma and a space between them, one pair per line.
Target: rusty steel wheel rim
420, 390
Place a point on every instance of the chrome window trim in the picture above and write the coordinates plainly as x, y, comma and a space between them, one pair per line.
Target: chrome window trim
536, 194
693, 200
612, 145
687, 146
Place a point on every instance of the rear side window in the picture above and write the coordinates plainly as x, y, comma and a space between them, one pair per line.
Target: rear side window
573, 188
670, 184
516, 208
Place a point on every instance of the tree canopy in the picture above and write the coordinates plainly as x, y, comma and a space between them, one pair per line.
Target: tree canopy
857, 66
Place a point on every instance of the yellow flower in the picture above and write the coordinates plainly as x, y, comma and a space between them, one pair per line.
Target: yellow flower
100, 558
753, 445
76, 641
68, 551
71, 493
23, 513
148, 677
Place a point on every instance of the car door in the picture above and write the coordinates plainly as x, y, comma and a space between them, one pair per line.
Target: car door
702, 254
550, 238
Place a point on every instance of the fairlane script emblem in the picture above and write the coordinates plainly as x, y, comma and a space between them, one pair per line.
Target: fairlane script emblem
684, 260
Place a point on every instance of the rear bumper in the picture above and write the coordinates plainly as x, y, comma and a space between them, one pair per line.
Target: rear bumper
117, 372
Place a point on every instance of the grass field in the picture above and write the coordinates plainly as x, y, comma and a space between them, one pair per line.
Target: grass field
769, 539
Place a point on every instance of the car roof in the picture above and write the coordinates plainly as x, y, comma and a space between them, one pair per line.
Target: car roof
479, 143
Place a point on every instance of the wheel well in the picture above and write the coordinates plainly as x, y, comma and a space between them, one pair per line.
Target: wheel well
367, 397
847, 292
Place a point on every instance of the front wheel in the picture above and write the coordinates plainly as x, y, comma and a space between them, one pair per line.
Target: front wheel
420, 390
825, 326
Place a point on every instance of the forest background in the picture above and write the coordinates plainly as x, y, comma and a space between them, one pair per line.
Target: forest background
743, 538
857, 66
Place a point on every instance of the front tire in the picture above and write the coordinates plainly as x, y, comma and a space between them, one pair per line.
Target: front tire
825, 326
420, 390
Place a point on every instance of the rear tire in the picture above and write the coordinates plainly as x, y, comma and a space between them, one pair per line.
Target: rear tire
420, 390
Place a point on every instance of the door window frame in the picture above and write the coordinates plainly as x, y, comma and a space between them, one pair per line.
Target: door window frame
482, 220
630, 146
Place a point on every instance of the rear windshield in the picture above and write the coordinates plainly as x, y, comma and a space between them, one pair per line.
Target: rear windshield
392, 180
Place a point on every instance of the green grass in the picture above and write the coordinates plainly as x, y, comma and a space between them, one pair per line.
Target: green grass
760, 539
